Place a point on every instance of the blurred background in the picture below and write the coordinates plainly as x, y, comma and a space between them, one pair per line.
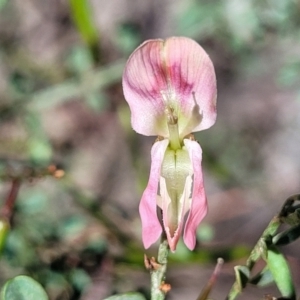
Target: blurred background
61, 103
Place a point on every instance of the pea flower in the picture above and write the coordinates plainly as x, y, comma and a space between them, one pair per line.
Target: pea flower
170, 86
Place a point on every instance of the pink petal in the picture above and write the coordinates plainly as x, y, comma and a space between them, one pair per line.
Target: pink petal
181, 70
151, 227
143, 80
193, 77
198, 208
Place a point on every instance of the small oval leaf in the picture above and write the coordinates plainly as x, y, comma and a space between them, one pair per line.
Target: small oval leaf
127, 296
23, 288
280, 270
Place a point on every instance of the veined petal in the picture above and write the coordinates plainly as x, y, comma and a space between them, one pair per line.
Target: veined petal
174, 74
143, 80
198, 208
191, 74
151, 227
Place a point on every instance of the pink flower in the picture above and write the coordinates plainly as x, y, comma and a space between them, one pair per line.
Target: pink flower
170, 87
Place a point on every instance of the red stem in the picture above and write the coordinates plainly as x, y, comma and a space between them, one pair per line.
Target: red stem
7, 210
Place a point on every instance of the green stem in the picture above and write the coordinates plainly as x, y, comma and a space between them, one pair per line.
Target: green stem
158, 274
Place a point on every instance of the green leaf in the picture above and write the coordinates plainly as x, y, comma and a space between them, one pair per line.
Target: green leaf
280, 270
23, 288
127, 296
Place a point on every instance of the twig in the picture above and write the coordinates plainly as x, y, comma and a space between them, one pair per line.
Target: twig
8, 208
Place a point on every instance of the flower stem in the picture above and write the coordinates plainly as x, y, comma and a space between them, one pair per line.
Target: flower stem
158, 273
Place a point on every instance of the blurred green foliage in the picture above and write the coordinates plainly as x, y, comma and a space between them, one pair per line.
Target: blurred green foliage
81, 13
2, 3
239, 25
